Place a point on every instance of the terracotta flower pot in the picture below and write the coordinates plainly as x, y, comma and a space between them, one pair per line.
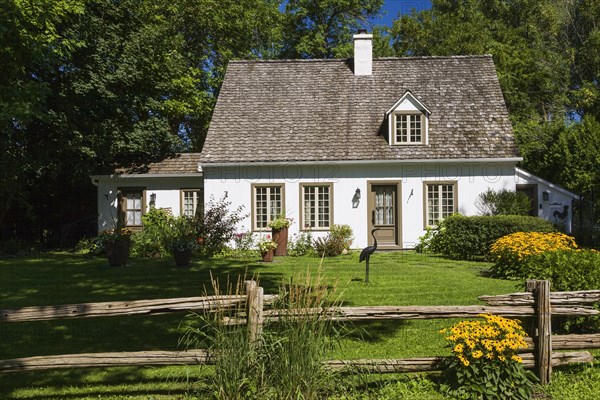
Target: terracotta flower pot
118, 252
267, 256
182, 258
280, 236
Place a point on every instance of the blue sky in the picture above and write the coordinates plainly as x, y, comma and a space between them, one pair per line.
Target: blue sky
392, 8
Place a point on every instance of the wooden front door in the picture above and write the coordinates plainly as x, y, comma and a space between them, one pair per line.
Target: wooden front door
383, 207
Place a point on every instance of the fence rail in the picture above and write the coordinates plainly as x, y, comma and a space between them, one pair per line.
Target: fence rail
538, 304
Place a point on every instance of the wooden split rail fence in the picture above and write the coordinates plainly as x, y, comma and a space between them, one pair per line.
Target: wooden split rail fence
538, 304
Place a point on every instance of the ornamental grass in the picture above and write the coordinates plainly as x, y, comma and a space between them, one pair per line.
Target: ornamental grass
510, 252
485, 362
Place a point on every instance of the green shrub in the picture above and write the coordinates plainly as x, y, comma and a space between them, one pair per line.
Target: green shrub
342, 233
301, 245
149, 242
568, 270
337, 240
218, 225
503, 202
467, 238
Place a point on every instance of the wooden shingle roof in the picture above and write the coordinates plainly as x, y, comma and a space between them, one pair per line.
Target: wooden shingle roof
178, 164
318, 110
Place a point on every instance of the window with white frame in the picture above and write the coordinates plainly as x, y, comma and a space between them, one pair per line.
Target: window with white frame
440, 202
316, 206
408, 128
268, 204
192, 202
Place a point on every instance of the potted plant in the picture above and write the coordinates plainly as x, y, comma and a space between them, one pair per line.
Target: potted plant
267, 247
116, 243
279, 229
181, 240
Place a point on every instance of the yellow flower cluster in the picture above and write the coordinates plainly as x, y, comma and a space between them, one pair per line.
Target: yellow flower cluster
496, 338
515, 247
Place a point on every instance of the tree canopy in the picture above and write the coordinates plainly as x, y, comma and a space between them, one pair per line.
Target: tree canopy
87, 85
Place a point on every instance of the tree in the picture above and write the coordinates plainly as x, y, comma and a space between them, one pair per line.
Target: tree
324, 28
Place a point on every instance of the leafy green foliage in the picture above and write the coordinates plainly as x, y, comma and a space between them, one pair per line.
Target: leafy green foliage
181, 235
548, 62
337, 240
324, 28
467, 238
503, 202
218, 225
149, 242
568, 270
301, 245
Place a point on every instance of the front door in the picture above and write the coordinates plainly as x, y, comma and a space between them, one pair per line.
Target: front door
384, 214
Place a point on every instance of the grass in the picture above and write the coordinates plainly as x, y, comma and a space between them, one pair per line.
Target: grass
52, 279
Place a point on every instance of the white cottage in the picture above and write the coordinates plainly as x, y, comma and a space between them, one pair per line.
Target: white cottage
393, 143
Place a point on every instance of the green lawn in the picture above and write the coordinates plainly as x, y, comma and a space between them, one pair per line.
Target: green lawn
51, 279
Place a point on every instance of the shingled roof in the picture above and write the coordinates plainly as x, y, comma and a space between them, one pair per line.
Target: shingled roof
178, 164
318, 110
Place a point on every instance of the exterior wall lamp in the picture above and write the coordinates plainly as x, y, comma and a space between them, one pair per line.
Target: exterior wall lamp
153, 200
545, 195
356, 198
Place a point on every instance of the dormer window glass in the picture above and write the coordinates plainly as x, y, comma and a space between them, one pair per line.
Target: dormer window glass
408, 122
408, 128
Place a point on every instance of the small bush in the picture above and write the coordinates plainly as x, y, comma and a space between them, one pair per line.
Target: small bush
149, 241
244, 245
337, 240
510, 252
301, 245
568, 270
467, 238
486, 364
218, 225
342, 233
503, 202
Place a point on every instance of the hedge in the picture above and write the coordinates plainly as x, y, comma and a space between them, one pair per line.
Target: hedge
467, 238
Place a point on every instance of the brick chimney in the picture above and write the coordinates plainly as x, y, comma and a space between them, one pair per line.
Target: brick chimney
363, 53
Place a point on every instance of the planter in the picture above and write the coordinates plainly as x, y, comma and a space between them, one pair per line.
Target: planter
280, 236
267, 256
182, 258
118, 252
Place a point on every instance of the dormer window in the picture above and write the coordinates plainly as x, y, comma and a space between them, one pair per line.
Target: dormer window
408, 128
408, 121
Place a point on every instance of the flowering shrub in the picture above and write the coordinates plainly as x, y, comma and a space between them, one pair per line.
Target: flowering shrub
280, 222
112, 236
510, 252
486, 364
266, 244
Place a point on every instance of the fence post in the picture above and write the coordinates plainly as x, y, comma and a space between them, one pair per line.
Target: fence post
254, 310
542, 329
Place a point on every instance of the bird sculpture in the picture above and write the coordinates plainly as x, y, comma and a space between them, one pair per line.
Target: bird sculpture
365, 254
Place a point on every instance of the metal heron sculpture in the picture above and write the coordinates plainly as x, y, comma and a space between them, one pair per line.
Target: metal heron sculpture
365, 254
